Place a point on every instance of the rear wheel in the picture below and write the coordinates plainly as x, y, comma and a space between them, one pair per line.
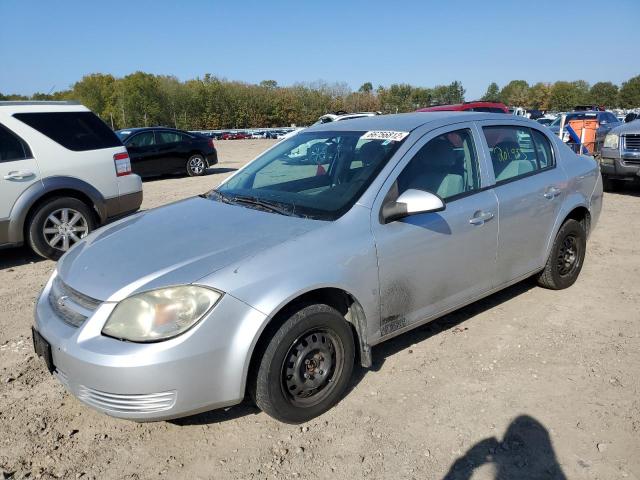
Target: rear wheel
306, 365
58, 225
196, 165
567, 256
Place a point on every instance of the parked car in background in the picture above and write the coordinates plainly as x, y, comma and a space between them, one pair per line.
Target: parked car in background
275, 282
476, 106
620, 155
63, 173
545, 121
630, 117
159, 151
605, 122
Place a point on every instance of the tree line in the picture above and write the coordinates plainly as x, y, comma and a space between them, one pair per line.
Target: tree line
143, 99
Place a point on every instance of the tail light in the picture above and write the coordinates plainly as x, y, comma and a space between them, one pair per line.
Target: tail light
123, 164
211, 143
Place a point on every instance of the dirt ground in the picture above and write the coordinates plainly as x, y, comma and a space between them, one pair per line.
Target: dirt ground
526, 384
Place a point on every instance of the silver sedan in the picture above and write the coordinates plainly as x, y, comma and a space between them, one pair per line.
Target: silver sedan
275, 282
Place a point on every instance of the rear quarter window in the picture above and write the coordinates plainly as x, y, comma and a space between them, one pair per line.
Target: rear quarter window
77, 131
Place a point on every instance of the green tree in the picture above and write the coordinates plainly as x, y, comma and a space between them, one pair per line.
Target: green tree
95, 91
492, 94
630, 93
515, 93
269, 84
604, 93
366, 87
539, 96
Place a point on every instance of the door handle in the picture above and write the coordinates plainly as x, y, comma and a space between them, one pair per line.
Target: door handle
552, 192
480, 217
18, 175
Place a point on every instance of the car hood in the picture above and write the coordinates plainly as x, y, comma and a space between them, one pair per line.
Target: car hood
630, 127
172, 245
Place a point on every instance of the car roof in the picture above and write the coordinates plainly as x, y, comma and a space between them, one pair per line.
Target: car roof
16, 106
142, 129
407, 122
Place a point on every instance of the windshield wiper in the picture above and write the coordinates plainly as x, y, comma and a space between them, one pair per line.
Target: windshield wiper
267, 205
222, 197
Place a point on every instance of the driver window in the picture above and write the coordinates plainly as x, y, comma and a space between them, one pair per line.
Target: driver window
144, 139
446, 165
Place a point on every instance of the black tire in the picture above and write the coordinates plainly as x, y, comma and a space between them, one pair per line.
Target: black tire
566, 258
609, 185
40, 241
317, 341
196, 165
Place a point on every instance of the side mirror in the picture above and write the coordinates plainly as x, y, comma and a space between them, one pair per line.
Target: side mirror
411, 202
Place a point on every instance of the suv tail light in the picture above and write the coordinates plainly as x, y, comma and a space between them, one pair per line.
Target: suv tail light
211, 143
123, 164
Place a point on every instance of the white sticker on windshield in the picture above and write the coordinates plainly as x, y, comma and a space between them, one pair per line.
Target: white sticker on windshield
390, 135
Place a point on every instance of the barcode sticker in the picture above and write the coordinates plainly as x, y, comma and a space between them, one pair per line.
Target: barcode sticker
390, 135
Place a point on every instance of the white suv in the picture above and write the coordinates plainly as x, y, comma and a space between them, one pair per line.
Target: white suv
63, 172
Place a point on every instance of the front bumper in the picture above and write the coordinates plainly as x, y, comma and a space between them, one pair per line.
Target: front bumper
203, 369
620, 164
212, 158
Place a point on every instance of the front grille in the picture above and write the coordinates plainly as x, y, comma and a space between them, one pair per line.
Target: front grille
132, 403
70, 305
632, 142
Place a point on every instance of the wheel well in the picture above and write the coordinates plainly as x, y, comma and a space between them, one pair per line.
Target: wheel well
58, 194
337, 298
582, 215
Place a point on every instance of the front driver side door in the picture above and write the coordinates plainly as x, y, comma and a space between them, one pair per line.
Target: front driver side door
430, 263
142, 152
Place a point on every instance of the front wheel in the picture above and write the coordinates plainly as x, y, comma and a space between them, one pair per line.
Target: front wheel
196, 165
306, 365
567, 256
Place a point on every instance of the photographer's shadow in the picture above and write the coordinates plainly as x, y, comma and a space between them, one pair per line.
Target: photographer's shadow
525, 453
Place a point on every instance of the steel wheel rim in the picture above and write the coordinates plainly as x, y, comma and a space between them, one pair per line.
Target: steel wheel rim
64, 227
567, 259
311, 367
196, 165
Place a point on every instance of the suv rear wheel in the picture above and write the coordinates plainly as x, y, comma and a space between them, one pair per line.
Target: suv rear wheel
306, 365
59, 224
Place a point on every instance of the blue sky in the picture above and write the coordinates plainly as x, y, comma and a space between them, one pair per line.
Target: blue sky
47, 45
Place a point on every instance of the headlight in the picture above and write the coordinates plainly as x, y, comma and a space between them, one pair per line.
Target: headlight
160, 314
611, 140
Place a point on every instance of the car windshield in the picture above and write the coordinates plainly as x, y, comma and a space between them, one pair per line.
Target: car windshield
123, 134
318, 175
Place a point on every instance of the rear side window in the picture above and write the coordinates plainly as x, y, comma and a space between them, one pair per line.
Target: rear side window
517, 151
77, 131
12, 147
170, 137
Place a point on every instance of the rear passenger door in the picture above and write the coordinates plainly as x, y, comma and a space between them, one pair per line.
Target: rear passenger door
530, 188
18, 171
171, 150
431, 262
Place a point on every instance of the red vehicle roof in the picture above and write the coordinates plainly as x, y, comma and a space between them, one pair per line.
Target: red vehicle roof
474, 106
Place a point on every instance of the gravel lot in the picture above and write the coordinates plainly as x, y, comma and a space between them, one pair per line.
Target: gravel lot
528, 383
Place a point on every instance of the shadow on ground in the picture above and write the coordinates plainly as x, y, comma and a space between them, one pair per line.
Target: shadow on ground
381, 352
15, 257
525, 453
